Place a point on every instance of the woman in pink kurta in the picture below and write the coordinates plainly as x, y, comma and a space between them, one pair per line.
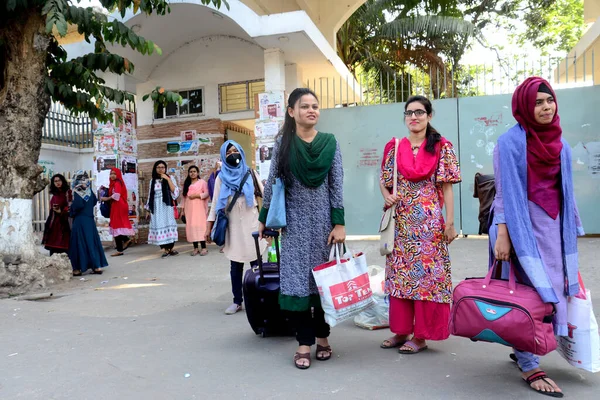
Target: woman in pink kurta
418, 276
195, 209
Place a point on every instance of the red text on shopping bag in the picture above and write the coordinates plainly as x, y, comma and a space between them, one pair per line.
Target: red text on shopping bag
347, 293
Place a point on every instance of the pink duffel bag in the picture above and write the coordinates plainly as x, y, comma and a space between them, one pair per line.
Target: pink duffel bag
505, 312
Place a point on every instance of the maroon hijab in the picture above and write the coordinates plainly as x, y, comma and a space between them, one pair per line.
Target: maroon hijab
543, 146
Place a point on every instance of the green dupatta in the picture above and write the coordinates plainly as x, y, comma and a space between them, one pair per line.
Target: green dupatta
310, 162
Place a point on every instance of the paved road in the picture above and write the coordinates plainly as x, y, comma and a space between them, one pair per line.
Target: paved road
155, 320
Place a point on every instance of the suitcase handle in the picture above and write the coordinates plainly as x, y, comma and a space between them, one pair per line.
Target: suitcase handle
266, 233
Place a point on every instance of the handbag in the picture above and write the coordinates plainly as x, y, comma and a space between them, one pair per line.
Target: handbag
175, 210
505, 312
387, 229
276, 217
581, 348
219, 229
344, 286
104, 205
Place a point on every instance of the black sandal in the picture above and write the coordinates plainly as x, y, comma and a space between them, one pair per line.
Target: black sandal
78, 273
321, 349
541, 375
97, 271
298, 356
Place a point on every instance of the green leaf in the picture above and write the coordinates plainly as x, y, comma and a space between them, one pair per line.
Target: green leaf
11, 4
150, 46
50, 85
145, 97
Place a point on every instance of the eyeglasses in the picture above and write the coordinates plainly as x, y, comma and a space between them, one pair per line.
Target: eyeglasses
418, 113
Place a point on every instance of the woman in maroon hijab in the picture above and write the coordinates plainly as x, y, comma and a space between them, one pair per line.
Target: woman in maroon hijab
535, 219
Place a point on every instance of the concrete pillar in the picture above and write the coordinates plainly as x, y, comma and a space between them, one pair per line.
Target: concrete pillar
293, 78
274, 70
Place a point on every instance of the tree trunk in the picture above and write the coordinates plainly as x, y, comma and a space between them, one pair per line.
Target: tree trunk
23, 108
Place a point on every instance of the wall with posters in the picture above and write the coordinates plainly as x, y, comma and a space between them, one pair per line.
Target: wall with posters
116, 146
270, 116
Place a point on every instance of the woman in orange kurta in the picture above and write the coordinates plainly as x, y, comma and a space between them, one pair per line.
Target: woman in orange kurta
120, 227
195, 209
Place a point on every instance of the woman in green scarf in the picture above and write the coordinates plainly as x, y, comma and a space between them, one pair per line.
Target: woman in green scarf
310, 164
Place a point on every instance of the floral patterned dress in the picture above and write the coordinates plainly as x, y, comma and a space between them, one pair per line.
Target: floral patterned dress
419, 266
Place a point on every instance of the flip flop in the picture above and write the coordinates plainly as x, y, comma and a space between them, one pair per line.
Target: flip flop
393, 345
415, 349
541, 376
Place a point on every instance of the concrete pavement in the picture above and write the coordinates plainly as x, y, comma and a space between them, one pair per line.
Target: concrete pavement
152, 328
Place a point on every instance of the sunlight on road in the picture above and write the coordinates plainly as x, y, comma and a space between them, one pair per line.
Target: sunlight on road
130, 286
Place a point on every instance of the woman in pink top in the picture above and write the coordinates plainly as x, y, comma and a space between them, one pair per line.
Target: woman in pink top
195, 209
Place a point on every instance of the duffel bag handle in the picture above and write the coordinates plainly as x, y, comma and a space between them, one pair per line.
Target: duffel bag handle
512, 280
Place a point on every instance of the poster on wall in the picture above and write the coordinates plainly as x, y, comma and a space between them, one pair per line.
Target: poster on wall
128, 165
267, 130
127, 143
104, 163
105, 144
187, 136
206, 164
264, 154
271, 105
173, 147
190, 147
48, 167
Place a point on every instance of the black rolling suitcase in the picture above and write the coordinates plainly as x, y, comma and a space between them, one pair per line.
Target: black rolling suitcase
261, 295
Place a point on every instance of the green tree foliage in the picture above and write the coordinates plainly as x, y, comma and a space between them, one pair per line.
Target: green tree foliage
555, 29
76, 83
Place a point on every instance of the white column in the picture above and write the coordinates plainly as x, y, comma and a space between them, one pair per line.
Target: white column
293, 78
274, 70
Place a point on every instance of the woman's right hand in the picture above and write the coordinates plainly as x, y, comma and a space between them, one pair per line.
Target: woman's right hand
261, 229
207, 236
390, 200
503, 247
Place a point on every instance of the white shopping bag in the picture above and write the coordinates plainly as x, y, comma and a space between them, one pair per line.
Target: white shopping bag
582, 347
378, 316
344, 286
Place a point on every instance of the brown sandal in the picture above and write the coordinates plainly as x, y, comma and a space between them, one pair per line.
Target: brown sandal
298, 356
321, 349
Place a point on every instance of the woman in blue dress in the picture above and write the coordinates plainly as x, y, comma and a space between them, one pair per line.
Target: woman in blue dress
85, 249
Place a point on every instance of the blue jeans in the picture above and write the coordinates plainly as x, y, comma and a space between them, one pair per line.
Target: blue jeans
527, 361
237, 276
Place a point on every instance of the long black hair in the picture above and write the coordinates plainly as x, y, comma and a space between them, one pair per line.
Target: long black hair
287, 133
188, 181
166, 191
431, 135
65, 185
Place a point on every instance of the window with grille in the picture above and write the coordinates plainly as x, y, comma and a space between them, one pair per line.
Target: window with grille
192, 104
239, 96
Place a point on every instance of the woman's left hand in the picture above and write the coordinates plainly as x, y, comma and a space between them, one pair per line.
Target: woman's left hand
337, 235
450, 233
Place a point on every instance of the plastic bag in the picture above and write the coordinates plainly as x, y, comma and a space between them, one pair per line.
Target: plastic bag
344, 286
581, 348
378, 316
